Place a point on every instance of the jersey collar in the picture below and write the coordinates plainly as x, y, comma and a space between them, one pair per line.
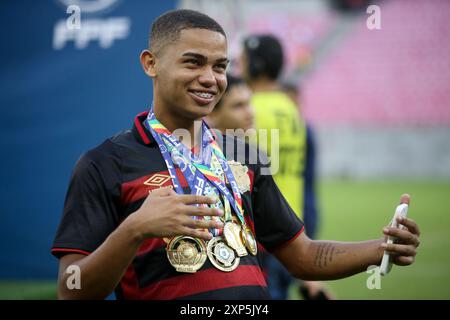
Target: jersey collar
140, 131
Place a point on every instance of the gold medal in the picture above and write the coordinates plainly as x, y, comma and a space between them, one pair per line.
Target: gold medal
221, 255
240, 175
249, 240
232, 234
232, 230
186, 254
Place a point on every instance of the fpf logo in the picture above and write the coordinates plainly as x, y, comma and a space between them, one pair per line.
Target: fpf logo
82, 31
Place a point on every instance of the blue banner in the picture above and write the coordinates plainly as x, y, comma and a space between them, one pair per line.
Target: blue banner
70, 77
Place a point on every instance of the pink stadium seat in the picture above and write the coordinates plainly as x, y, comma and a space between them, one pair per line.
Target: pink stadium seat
397, 75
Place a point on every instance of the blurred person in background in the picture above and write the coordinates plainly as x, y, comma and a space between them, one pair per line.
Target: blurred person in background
261, 64
234, 109
308, 289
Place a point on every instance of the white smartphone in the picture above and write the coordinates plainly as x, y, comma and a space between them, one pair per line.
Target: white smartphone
386, 262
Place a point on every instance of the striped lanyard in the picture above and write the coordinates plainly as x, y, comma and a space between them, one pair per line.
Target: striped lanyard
197, 169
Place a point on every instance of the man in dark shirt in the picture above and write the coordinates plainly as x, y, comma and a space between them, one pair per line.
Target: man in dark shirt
146, 217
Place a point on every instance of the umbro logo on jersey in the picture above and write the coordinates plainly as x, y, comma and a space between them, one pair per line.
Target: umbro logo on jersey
157, 180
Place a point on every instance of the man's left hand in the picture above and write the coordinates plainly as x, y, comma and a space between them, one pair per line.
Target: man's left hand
404, 248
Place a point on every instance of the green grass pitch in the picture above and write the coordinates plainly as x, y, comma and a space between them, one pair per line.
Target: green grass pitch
355, 211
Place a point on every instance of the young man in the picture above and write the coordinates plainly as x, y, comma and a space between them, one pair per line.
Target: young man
125, 231
234, 111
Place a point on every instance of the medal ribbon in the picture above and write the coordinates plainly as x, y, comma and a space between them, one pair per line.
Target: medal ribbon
209, 149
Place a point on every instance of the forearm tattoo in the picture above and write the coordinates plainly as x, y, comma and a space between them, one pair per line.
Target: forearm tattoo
325, 254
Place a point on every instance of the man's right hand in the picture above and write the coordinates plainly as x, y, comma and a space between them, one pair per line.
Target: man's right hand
164, 213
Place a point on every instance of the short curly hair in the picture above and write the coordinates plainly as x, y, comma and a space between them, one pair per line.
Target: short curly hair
167, 27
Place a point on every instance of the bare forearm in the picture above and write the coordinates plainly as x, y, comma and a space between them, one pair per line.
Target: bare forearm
328, 260
101, 271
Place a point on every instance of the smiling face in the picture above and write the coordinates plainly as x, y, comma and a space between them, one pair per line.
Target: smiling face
189, 73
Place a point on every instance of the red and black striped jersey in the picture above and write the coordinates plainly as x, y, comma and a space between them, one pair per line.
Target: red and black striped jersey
112, 180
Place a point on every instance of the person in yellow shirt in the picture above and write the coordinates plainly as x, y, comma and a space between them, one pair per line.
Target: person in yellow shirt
261, 64
310, 290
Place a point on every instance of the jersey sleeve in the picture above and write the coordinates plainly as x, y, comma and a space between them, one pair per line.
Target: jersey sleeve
276, 224
90, 211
